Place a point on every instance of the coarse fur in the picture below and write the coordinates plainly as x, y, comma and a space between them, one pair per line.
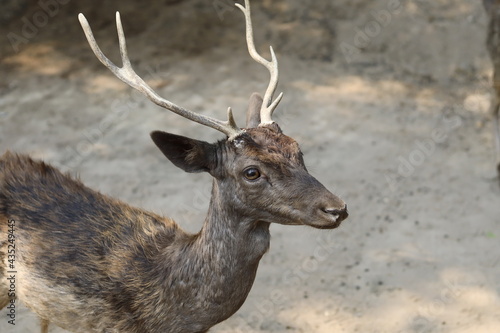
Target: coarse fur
90, 263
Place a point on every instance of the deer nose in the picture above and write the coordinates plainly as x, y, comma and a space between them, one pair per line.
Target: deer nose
338, 214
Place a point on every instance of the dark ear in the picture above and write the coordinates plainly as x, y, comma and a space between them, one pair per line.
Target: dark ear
188, 154
253, 112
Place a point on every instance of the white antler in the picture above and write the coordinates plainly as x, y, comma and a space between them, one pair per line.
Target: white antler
268, 105
127, 74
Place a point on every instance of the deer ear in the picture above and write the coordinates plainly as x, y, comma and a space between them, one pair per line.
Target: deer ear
188, 154
253, 111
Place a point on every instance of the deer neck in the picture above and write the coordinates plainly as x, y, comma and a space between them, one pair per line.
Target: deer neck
223, 258
228, 233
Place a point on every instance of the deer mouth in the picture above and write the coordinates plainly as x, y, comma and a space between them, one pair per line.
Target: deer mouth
331, 218
327, 226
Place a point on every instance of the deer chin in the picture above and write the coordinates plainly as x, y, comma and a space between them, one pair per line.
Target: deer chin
323, 225
325, 221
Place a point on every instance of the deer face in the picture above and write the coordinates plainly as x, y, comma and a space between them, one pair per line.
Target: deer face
260, 168
262, 175
270, 177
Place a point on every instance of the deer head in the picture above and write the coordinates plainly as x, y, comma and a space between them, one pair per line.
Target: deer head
259, 171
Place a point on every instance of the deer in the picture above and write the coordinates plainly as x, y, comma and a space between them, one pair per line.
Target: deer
87, 262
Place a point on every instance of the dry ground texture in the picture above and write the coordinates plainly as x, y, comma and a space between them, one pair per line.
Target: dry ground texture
389, 100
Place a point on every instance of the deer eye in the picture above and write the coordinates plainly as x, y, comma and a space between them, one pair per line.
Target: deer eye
251, 173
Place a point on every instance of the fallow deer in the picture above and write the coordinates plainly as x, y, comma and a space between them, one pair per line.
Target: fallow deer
90, 263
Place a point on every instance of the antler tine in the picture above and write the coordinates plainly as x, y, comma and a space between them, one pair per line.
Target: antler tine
268, 106
127, 74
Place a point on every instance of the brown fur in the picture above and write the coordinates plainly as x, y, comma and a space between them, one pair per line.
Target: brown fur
90, 263
274, 148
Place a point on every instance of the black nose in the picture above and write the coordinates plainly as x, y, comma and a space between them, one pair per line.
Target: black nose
340, 214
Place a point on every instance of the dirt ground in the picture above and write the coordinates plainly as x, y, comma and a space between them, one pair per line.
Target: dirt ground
393, 116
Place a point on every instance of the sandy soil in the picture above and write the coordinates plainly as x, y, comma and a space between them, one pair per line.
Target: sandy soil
397, 123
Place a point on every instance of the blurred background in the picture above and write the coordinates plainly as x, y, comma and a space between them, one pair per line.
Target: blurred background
389, 99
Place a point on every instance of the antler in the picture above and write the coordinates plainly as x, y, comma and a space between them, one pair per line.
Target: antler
268, 106
127, 74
